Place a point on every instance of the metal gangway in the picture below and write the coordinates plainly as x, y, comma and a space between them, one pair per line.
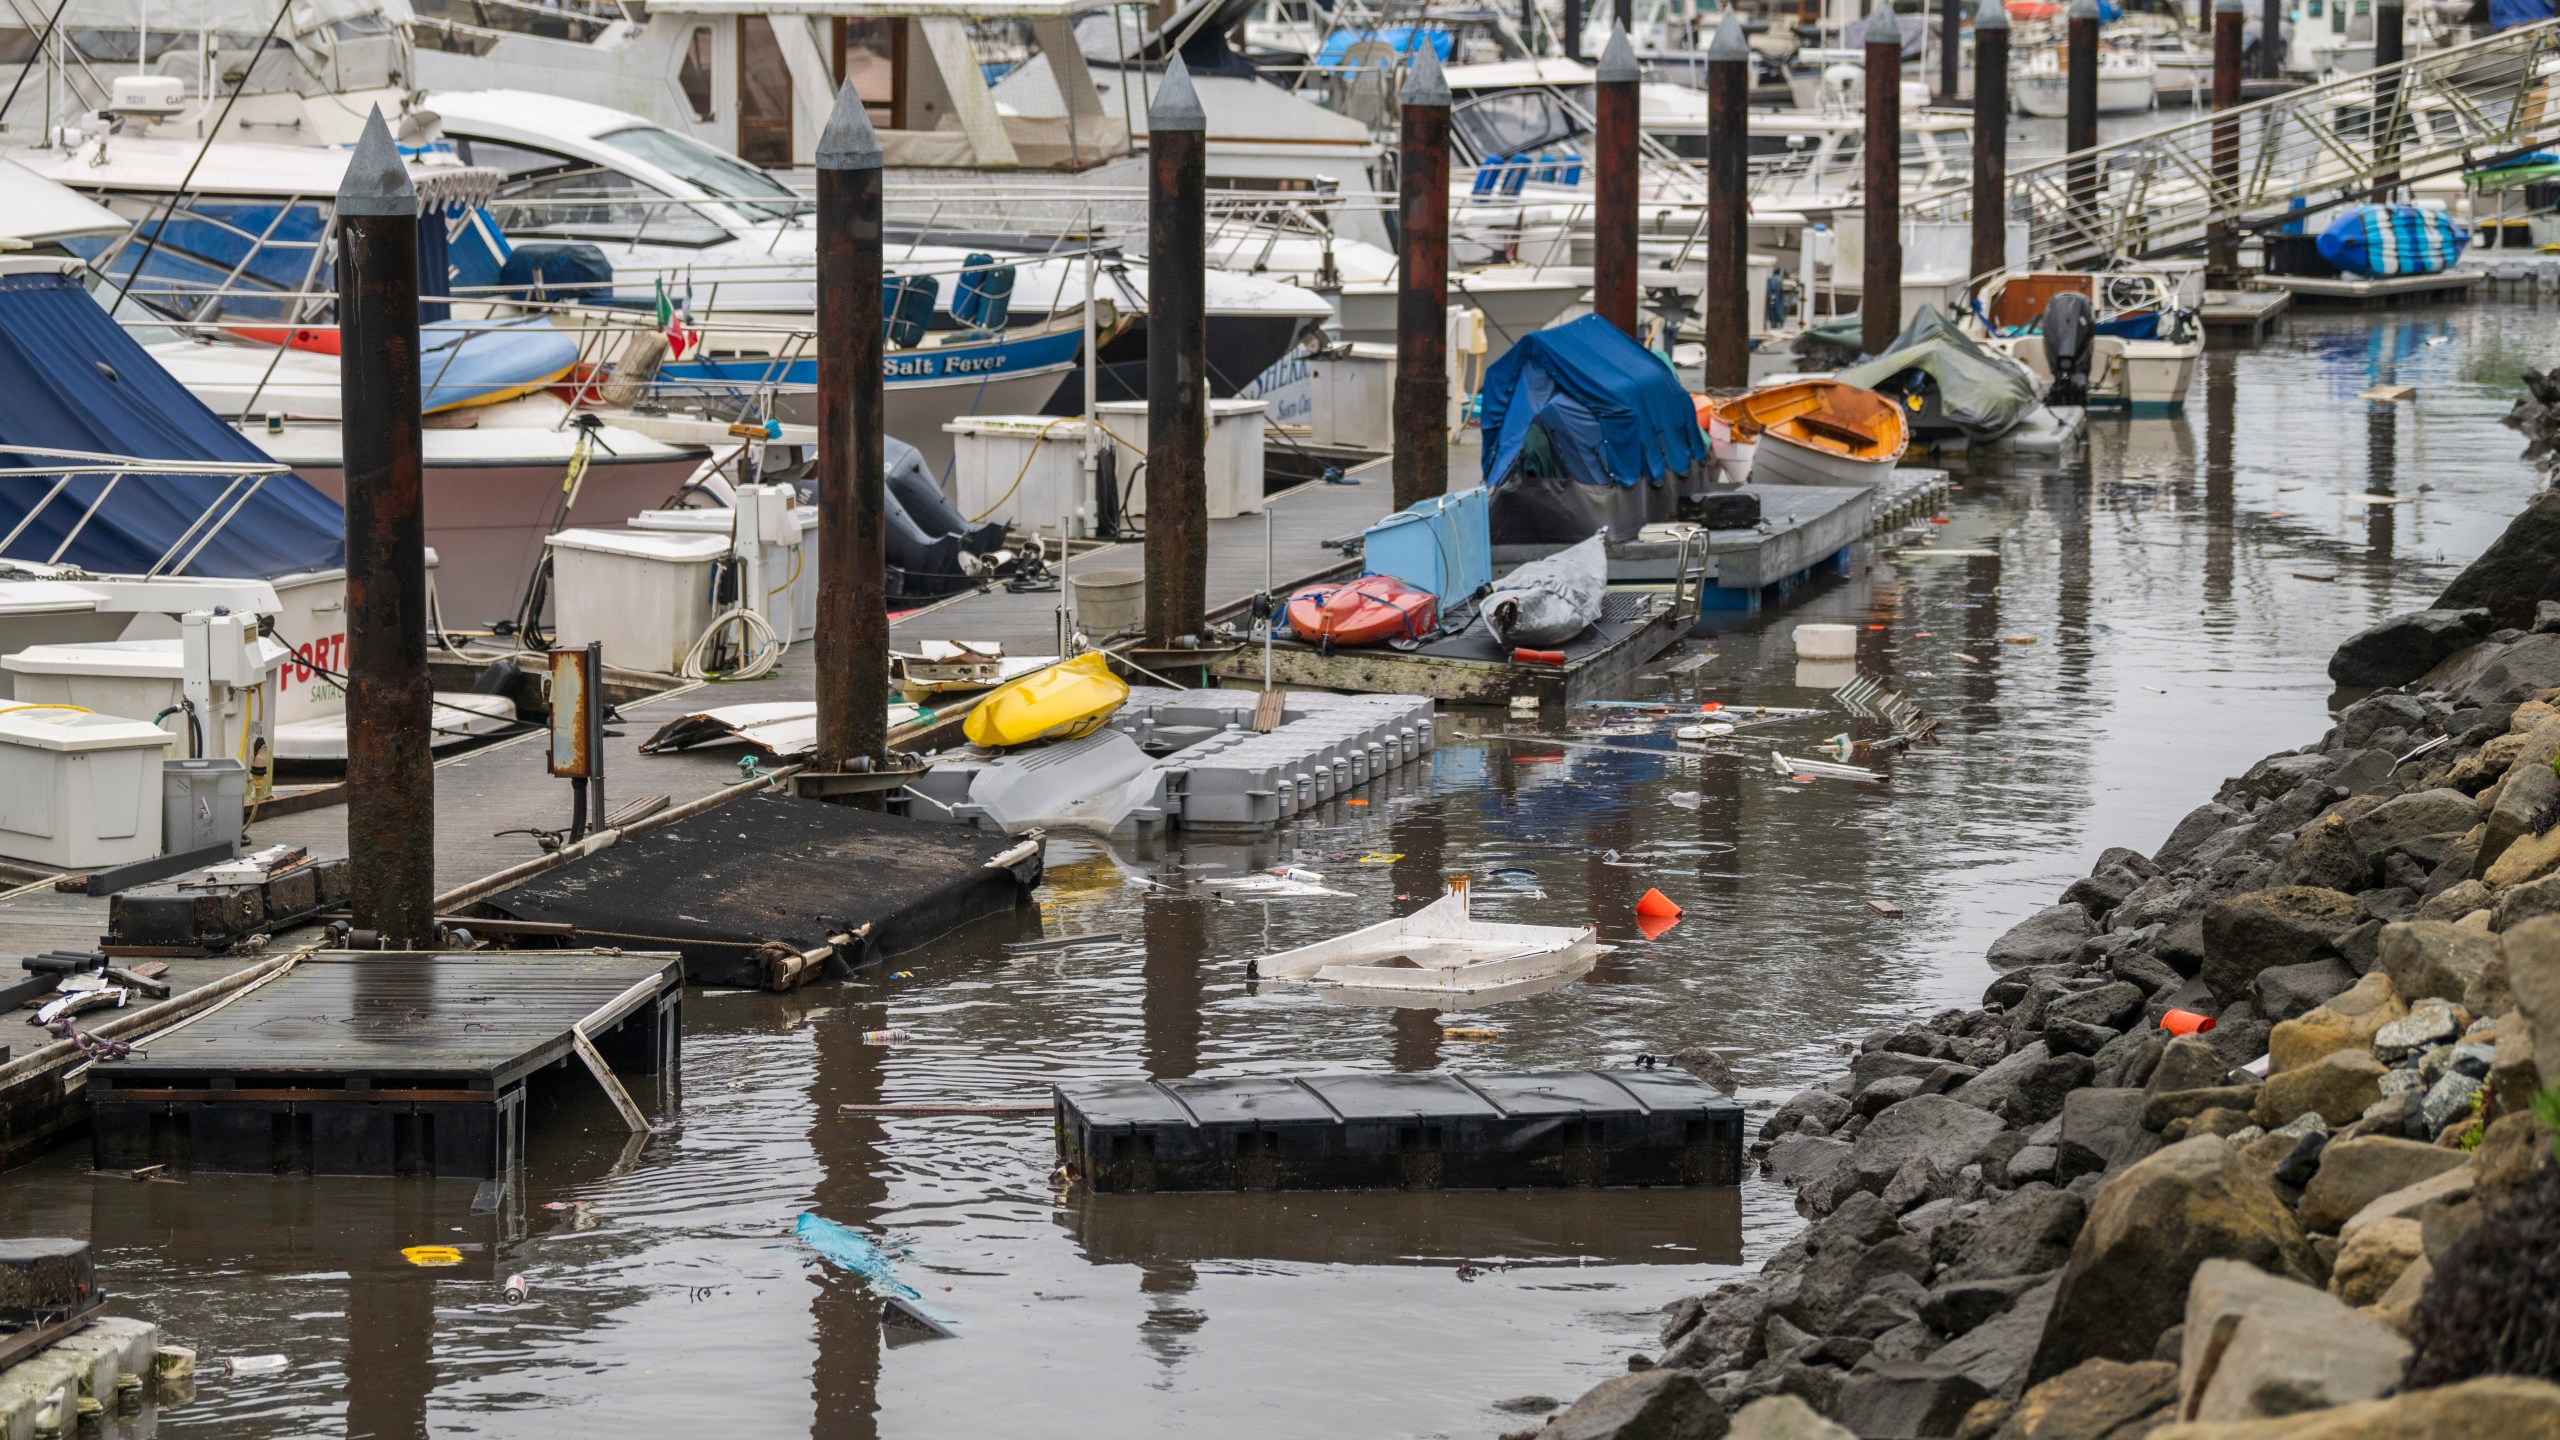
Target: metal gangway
2256, 166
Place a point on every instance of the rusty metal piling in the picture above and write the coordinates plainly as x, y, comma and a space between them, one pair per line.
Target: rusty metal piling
853, 613
1729, 298
1420, 407
391, 798
1990, 138
1616, 180
1880, 287
1177, 553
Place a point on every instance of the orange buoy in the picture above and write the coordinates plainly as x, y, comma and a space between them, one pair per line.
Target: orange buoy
1657, 904
2185, 1022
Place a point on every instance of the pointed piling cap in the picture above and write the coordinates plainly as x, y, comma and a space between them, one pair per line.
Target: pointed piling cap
1177, 105
1992, 16
1618, 59
1730, 43
2231, 7
849, 142
377, 179
1423, 82
2084, 10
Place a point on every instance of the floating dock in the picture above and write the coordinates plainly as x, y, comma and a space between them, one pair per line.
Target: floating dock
1515, 1130
768, 891
381, 1062
2354, 292
1472, 668
1190, 759
2242, 314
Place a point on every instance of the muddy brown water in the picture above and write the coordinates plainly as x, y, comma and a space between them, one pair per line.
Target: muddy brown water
2182, 580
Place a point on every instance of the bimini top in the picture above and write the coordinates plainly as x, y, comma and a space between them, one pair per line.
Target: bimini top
76, 382
1612, 411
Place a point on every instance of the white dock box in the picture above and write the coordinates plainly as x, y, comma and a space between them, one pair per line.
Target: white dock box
780, 561
1025, 470
645, 595
79, 790
1234, 475
137, 679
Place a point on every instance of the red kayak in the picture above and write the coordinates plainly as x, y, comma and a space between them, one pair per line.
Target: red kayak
1364, 612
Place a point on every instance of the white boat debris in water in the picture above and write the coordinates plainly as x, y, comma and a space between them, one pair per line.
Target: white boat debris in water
1440, 949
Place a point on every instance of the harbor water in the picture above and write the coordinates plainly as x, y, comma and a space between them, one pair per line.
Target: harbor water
2103, 638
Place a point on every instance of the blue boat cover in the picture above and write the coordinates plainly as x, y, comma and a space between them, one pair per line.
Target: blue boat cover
1404, 39
75, 381
1613, 413
2384, 240
2506, 14
467, 362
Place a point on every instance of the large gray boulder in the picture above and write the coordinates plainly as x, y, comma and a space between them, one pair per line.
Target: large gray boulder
2148, 1230
1657, 1404
2429, 958
2096, 1400
2361, 1169
1948, 1131
2288, 925
2489, 674
2048, 937
2258, 1345
2027, 1087
1998, 1352
1783, 1417
2402, 648
2519, 570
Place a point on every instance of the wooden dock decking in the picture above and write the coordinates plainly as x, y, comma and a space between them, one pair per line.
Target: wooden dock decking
2243, 314
380, 1062
2355, 292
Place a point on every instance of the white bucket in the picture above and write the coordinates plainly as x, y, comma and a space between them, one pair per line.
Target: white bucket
1109, 601
1826, 642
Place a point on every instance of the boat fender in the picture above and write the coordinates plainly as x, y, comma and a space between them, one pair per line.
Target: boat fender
1537, 657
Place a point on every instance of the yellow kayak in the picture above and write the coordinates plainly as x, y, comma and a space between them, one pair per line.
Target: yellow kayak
1064, 702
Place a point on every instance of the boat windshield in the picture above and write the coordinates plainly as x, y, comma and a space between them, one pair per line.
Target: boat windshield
700, 165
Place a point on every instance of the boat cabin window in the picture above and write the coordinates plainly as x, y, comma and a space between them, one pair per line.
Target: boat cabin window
1515, 122
764, 95
599, 204
694, 75
708, 170
872, 53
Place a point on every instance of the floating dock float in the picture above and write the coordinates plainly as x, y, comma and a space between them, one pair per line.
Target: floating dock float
2357, 292
381, 1062
1191, 759
2242, 314
1513, 1130
769, 891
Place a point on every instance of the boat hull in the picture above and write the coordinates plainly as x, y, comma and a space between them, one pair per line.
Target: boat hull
1777, 460
486, 520
2048, 97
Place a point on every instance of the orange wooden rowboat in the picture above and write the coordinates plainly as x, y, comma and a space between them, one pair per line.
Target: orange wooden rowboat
1817, 432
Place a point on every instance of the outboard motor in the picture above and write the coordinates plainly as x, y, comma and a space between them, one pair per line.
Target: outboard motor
2070, 328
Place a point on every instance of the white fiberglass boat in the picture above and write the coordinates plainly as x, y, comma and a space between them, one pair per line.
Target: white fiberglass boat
2128, 81
2147, 341
1439, 949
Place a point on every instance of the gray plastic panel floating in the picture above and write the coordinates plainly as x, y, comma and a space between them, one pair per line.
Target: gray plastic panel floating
1184, 757
1517, 1130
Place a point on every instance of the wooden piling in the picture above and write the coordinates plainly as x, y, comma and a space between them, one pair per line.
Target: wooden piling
1420, 406
2080, 119
2390, 36
1990, 138
1880, 288
1177, 553
1617, 175
1729, 300
390, 765
1950, 50
2271, 39
2222, 243
853, 615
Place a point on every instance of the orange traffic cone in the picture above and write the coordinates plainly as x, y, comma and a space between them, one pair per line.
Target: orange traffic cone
1657, 904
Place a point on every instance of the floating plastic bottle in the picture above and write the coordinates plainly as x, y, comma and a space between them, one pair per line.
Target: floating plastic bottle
894, 1035
252, 1364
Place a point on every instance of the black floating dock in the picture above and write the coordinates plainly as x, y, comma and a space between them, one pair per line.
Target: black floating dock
1470, 668
381, 1062
743, 890
1523, 1129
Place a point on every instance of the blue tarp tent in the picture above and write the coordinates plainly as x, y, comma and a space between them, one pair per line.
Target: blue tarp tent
2506, 14
73, 380
1604, 413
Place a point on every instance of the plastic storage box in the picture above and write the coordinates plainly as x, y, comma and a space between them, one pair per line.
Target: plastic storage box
79, 790
138, 679
201, 803
780, 561
645, 595
1027, 470
1443, 545
1234, 471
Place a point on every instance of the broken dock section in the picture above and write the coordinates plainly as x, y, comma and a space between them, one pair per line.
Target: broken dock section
381, 1062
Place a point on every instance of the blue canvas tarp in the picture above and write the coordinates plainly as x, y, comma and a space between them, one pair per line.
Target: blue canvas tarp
1614, 413
2385, 240
73, 380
